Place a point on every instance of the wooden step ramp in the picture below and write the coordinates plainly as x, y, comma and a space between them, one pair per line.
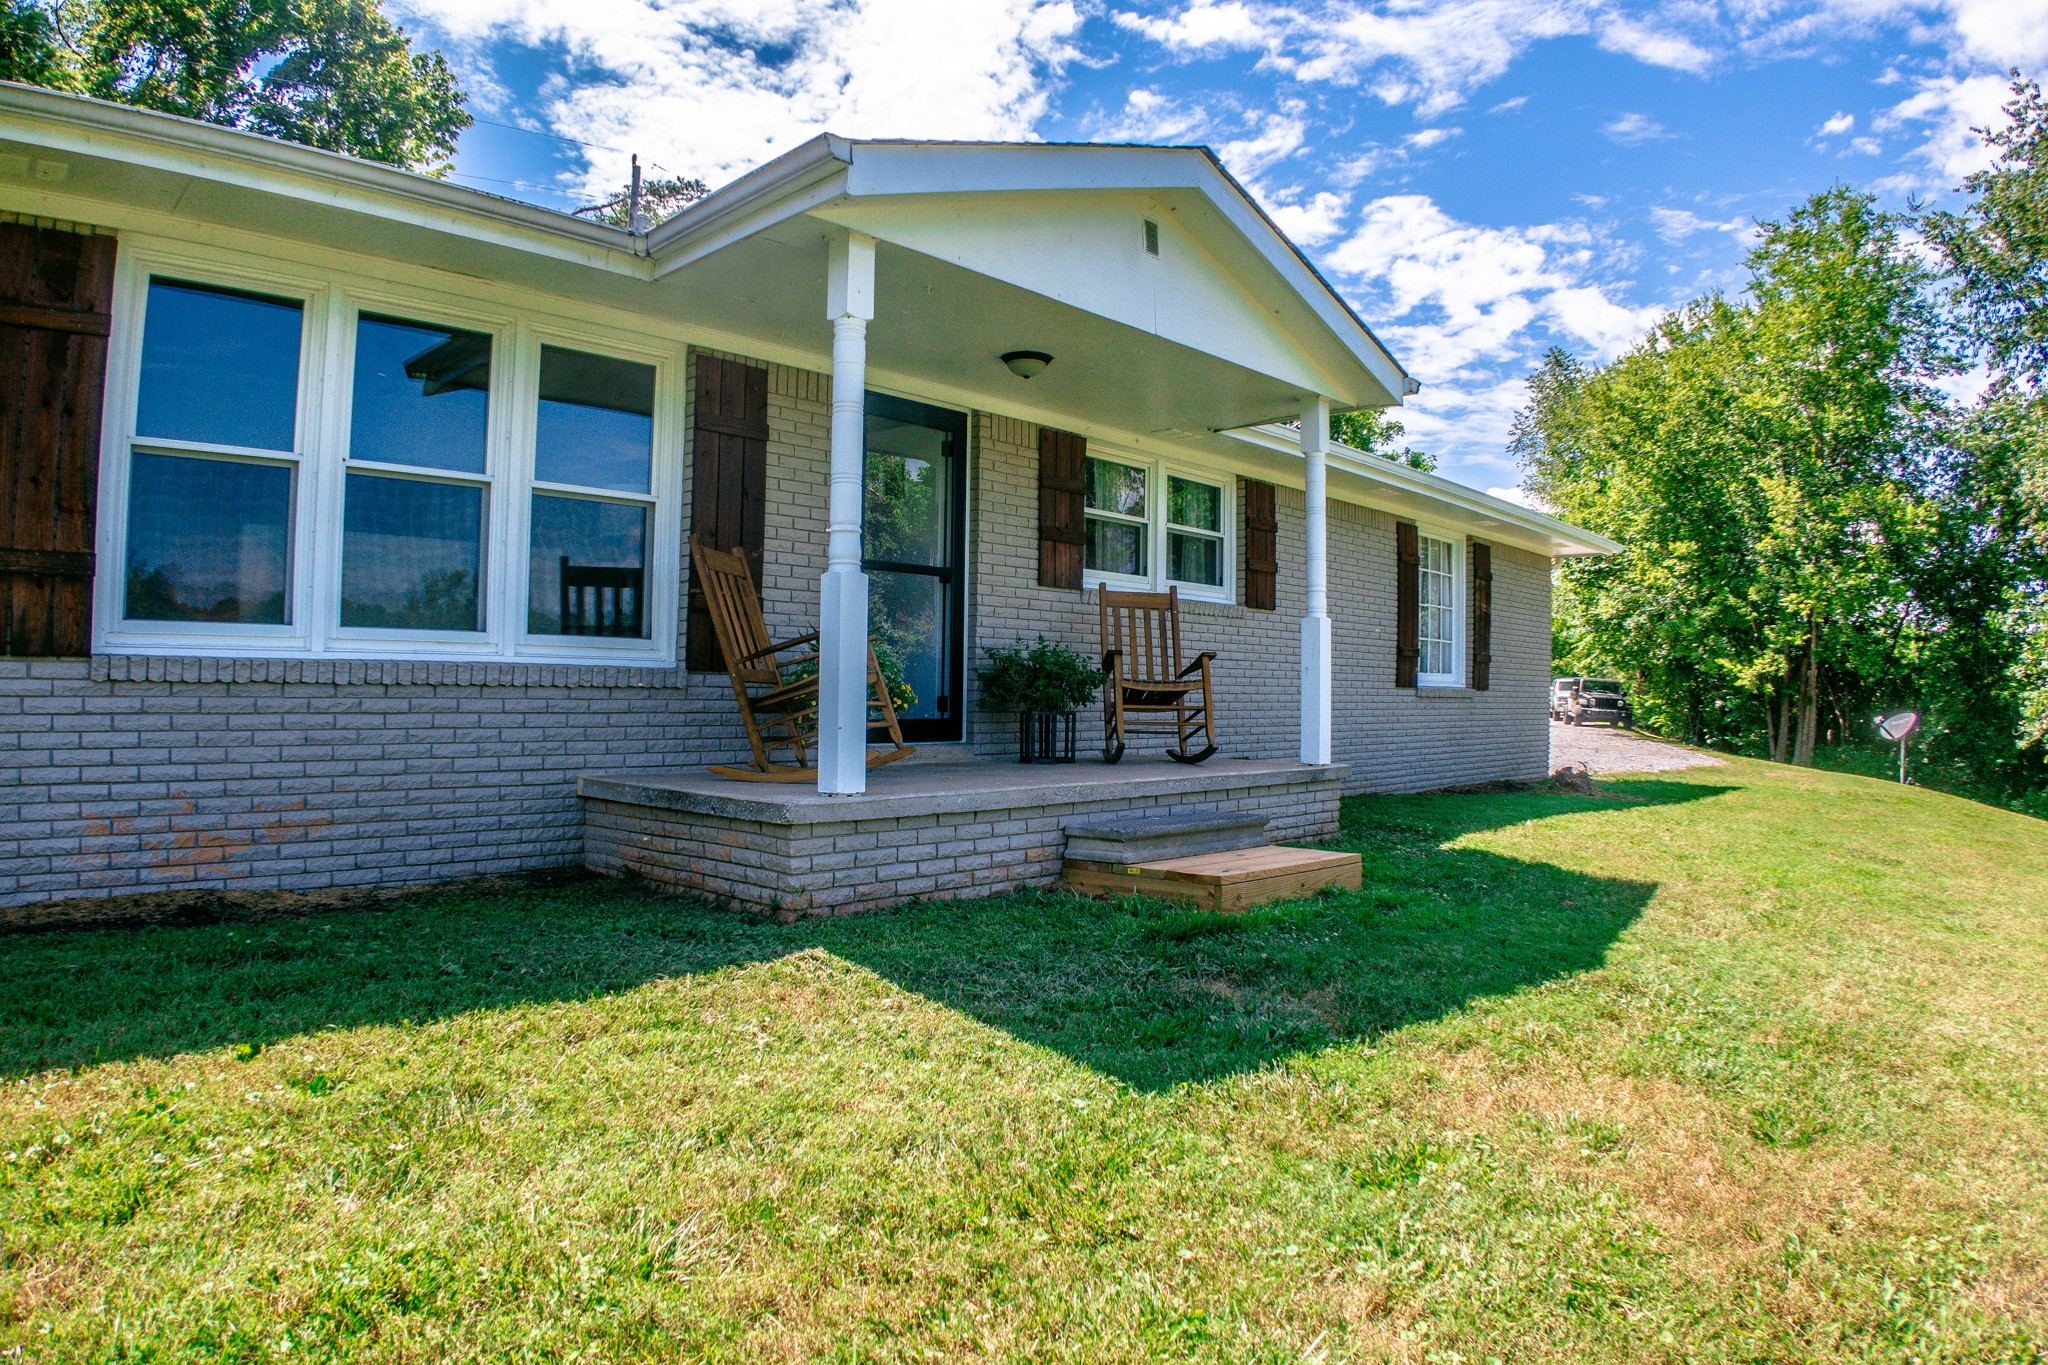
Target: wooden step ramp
1224, 882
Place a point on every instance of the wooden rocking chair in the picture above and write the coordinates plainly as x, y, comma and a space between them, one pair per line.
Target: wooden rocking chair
776, 682
1149, 690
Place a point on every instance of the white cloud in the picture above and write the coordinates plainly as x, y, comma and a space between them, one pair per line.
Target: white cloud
2002, 33
1509, 106
1631, 130
1470, 308
1466, 295
1274, 136
1429, 137
714, 87
1314, 222
1949, 108
1654, 46
1205, 26
1429, 55
1675, 225
1865, 146
1836, 126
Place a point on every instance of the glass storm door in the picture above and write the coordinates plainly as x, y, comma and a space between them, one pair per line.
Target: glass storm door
912, 545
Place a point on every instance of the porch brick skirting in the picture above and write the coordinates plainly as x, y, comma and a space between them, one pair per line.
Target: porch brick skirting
921, 831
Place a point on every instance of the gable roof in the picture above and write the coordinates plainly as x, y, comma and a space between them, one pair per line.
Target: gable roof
165, 164
831, 172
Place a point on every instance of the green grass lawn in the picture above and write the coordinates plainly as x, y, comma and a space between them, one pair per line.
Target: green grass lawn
1750, 1066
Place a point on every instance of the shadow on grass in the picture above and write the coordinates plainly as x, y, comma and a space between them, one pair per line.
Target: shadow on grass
1141, 990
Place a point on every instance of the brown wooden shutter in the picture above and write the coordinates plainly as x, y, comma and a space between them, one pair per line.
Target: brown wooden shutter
1261, 546
1407, 602
729, 481
1062, 500
1482, 616
56, 292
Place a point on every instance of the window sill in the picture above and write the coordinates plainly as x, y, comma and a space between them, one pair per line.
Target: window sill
1444, 692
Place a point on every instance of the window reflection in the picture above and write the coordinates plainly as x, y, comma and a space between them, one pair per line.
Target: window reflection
208, 540
218, 367
596, 422
422, 395
411, 554
588, 567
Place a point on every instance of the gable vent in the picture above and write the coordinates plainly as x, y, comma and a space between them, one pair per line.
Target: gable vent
1151, 238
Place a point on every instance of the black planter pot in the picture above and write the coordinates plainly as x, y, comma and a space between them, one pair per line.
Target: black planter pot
1045, 736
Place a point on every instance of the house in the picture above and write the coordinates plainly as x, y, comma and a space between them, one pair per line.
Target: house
348, 513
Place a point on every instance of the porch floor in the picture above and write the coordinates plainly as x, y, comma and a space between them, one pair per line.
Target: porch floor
921, 829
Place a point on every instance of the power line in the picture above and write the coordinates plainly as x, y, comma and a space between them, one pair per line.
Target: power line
559, 137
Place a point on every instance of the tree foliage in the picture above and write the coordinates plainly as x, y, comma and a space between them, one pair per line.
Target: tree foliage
1812, 530
1375, 433
660, 197
1997, 248
334, 74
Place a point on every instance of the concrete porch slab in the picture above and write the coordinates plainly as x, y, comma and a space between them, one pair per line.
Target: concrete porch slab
963, 829
944, 788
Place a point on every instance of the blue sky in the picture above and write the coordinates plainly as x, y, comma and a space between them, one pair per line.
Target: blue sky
1482, 178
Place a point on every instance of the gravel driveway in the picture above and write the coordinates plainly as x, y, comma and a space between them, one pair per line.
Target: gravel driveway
1604, 749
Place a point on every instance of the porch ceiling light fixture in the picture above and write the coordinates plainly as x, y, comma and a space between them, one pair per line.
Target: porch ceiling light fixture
1027, 364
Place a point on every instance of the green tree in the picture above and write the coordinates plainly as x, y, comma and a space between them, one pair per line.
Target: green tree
1997, 247
660, 197
1375, 433
335, 74
29, 50
1766, 463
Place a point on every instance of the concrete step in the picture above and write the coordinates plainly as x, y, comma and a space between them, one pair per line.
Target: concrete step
1150, 836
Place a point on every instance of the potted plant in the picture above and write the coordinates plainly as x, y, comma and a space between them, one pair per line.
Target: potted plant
1042, 683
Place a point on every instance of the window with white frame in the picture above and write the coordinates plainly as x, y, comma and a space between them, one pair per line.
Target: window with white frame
213, 471
1437, 602
416, 491
1151, 526
301, 471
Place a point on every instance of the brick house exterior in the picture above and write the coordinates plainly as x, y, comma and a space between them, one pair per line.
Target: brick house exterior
147, 769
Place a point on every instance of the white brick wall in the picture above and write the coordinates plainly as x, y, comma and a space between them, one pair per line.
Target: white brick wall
831, 868
140, 774
1394, 739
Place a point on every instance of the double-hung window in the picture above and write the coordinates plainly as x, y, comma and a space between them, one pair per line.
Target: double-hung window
300, 470
214, 466
593, 504
1439, 602
1152, 526
416, 493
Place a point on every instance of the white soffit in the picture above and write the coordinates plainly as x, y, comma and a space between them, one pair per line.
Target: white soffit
1066, 221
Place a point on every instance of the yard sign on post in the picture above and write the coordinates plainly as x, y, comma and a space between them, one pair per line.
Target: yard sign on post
1898, 727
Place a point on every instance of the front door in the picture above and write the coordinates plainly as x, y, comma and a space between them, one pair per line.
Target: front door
913, 546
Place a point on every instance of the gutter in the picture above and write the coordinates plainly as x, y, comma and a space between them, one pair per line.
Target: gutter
729, 210
1435, 487
92, 121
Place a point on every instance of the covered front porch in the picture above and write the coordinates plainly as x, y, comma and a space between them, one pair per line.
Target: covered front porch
921, 830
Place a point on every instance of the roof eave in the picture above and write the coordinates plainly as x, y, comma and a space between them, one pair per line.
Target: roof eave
168, 142
1566, 540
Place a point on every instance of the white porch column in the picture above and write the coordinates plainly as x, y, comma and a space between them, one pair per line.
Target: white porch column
843, 591
1315, 627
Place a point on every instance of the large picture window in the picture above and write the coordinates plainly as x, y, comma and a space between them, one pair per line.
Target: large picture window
299, 468
1152, 527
